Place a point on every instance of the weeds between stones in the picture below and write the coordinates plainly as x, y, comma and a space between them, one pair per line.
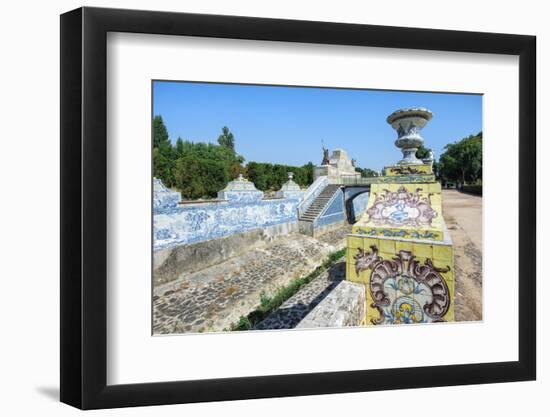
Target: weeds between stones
270, 303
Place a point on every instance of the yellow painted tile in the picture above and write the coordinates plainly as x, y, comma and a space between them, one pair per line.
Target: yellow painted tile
443, 252
371, 242
372, 314
401, 245
368, 296
452, 293
435, 188
447, 276
386, 245
363, 276
450, 316
386, 255
350, 270
355, 242
421, 250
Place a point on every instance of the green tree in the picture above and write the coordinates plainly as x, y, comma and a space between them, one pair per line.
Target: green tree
367, 172
200, 170
179, 151
461, 162
307, 170
423, 152
200, 178
270, 177
160, 133
227, 139
163, 155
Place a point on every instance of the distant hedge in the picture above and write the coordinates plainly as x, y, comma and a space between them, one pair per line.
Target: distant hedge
472, 189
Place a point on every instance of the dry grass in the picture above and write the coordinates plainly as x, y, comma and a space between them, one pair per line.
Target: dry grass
231, 290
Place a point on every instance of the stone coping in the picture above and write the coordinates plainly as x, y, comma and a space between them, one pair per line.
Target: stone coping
217, 200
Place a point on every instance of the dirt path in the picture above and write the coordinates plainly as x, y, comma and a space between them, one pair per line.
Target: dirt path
463, 215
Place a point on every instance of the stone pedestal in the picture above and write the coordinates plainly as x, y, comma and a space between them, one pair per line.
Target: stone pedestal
339, 166
401, 249
240, 190
290, 189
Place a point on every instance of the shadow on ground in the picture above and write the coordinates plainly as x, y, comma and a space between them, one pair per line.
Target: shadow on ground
306, 299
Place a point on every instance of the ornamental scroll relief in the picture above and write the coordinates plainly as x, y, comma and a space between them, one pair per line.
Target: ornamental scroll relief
402, 208
404, 290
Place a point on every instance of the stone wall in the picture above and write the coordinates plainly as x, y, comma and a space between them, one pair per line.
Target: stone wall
173, 262
344, 306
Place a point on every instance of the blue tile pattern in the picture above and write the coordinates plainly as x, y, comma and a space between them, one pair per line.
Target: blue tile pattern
334, 212
175, 224
163, 198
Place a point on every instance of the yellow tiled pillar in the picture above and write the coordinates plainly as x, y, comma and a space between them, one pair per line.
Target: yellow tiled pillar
402, 252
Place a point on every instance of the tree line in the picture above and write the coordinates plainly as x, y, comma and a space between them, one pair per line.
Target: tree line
461, 161
200, 170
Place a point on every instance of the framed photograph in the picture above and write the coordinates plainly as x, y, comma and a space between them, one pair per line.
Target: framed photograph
257, 208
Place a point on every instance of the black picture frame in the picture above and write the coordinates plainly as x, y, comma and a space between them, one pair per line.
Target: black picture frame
84, 207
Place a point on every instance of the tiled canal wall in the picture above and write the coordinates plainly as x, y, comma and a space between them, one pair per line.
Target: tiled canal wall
190, 237
240, 211
358, 198
201, 222
351, 199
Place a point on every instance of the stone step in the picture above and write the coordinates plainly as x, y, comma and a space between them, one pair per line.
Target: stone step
319, 204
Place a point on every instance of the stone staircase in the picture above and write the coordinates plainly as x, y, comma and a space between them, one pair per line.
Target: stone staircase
319, 204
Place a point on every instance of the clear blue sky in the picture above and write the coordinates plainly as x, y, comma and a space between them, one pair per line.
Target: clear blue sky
286, 124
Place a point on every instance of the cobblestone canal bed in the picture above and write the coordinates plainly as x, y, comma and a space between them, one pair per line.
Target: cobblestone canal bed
293, 311
215, 298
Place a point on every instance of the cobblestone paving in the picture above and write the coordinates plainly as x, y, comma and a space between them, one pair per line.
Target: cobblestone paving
216, 297
300, 304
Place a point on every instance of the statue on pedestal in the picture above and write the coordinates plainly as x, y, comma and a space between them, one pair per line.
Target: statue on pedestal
325, 157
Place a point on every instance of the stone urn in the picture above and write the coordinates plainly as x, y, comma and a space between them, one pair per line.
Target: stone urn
408, 123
